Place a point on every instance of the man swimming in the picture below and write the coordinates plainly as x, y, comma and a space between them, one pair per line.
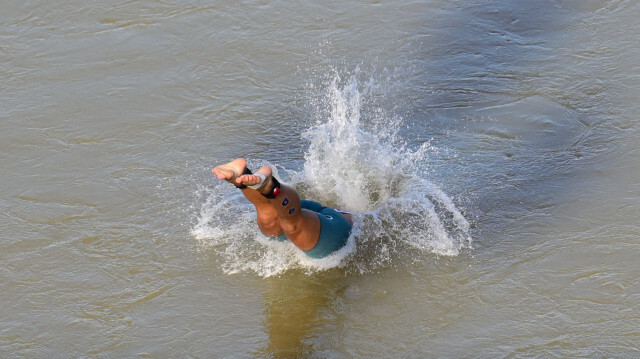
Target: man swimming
317, 230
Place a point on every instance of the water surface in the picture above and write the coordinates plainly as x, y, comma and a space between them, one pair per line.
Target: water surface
491, 149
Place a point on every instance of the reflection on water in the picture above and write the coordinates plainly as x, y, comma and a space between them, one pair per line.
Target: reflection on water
295, 307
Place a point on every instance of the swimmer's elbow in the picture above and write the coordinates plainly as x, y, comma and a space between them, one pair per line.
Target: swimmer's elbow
293, 230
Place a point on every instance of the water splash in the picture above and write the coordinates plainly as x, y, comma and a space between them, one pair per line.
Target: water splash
346, 164
227, 227
354, 163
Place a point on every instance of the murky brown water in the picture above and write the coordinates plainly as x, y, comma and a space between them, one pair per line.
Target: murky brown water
491, 147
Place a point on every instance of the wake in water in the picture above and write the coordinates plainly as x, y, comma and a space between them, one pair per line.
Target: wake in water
365, 168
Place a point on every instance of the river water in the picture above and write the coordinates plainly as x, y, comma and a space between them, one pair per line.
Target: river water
490, 149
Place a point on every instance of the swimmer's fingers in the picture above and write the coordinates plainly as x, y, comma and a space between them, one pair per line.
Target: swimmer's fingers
249, 180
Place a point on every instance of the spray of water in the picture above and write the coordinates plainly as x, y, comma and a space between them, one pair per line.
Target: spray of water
356, 164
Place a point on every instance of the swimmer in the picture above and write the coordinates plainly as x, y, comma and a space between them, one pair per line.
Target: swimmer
317, 230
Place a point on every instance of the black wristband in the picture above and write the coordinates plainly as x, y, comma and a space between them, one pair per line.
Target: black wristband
275, 191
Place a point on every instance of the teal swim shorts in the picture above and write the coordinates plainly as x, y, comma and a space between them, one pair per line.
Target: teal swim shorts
334, 230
